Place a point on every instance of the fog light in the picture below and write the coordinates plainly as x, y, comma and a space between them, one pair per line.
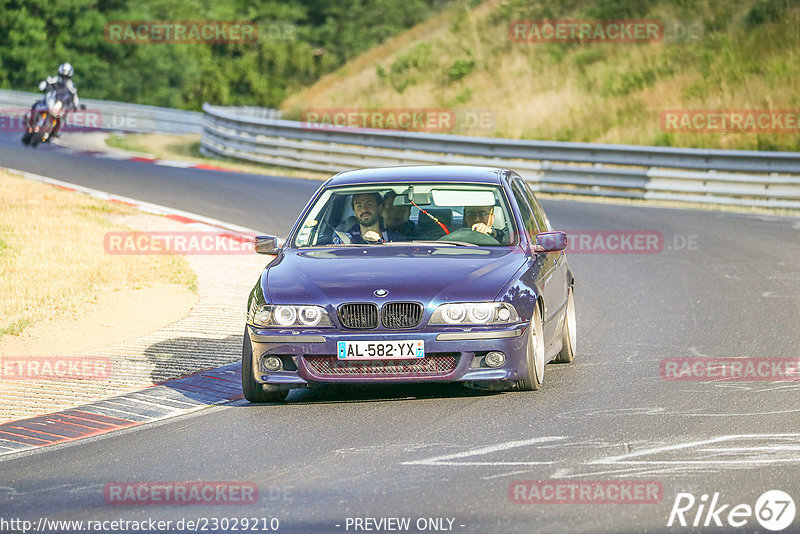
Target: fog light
495, 359
272, 363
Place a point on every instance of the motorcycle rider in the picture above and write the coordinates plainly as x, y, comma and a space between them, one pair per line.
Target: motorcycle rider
65, 87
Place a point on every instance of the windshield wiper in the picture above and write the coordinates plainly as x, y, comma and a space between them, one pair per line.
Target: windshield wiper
453, 243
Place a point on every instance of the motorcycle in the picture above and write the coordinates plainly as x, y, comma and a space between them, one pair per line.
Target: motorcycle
44, 116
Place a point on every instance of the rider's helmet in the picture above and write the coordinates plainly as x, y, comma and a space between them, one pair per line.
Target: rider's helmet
65, 70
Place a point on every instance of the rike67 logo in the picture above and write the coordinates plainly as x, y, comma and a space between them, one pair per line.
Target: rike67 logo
774, 510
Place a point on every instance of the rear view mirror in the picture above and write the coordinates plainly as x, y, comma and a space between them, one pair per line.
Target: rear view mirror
420, 199
266, 244
550, 242
401, 200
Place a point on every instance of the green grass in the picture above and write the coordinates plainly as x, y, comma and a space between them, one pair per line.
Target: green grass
15, 327
120, 141
743, 54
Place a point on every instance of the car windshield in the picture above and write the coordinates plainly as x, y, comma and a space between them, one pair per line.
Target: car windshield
450, 213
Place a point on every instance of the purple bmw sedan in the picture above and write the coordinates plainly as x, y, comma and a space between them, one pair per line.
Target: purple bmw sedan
412, 274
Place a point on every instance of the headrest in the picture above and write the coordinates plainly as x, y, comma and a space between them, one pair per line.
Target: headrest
444, 215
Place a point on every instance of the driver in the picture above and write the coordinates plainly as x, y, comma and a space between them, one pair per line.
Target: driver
480, 219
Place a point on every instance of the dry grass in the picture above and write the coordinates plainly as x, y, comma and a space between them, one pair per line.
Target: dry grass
52, 258
611, 92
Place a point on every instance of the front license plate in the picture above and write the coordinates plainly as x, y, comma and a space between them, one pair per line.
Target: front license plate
380, 350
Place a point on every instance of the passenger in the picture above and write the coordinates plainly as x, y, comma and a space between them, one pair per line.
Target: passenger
368, 229
480, 219
398, 218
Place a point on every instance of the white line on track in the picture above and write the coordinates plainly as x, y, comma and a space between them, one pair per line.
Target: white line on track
768, 450
446, 458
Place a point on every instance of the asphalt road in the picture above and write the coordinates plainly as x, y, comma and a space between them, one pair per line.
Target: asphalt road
724, 285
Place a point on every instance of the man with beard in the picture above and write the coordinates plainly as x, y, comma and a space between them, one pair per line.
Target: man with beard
368, 228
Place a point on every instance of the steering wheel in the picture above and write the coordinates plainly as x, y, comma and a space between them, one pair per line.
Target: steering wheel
470, 236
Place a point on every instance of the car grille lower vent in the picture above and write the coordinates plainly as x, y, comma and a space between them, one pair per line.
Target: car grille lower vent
401, 314
437, 364
358, 315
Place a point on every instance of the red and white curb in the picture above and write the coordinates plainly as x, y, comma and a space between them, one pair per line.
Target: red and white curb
161, 401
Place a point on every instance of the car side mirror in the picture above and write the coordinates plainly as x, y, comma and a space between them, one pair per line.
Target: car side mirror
550, 242
266, 244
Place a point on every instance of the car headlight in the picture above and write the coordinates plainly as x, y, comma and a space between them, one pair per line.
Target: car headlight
465, 313
288, 316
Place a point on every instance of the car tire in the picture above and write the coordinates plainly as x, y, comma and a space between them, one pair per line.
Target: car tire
254, 391
568, 337
534, 354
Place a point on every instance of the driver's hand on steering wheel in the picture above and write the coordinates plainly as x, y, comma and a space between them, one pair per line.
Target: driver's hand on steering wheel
482, 228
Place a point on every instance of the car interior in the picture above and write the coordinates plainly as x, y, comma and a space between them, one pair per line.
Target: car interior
335, 217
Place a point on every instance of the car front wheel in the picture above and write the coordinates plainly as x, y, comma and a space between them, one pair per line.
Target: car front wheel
535, 354
254, 391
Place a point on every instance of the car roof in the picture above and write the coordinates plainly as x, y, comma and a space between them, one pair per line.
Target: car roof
420, 173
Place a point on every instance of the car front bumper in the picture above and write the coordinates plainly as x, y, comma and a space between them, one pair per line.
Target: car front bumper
451, 355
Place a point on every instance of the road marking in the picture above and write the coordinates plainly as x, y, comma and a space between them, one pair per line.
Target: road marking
628, 472
757, 455
446, 458
501, 475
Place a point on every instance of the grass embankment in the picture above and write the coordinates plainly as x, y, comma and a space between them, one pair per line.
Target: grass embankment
52, 258
745, 56
184, 147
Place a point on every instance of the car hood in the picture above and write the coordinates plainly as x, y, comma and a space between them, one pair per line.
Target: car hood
419, 273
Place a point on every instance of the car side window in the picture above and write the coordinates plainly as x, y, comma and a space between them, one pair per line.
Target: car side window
538, 210
528, 218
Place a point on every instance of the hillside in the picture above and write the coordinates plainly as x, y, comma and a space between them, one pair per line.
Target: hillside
712, 55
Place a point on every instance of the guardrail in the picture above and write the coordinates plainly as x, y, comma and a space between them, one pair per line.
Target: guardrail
116, 115
769, 179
